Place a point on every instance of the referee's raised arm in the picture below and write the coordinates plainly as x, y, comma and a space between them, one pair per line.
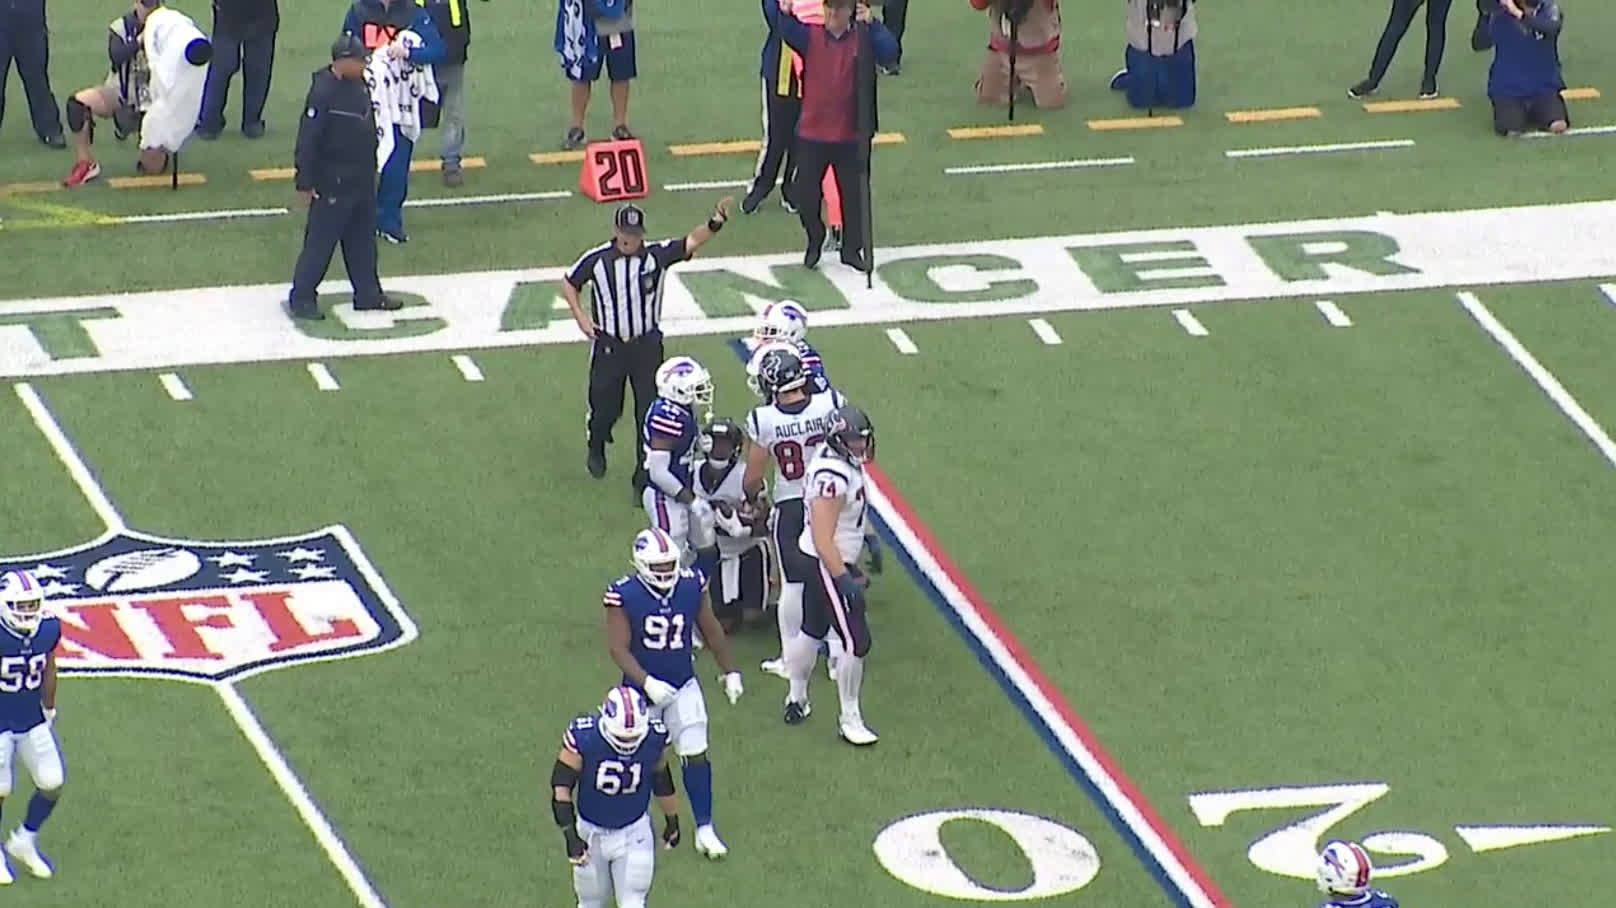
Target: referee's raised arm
624, 321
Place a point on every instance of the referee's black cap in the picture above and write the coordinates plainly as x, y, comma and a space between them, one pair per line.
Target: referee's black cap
630, 219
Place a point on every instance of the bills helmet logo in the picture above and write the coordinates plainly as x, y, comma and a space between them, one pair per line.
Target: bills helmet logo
136, 605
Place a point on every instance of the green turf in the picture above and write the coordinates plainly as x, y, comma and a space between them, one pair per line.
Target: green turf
515, 109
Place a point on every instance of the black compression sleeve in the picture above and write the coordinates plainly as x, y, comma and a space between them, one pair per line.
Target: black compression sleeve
662, 782
565, 815
563, 776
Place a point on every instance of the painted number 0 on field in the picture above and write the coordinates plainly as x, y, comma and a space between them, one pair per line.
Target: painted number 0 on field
1292, 850
1062, 860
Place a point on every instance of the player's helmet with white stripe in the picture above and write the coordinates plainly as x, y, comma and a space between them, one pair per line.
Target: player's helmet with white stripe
851, 435
1344, 869
786, 320
685, 381
625, 719
656, 558
22, 601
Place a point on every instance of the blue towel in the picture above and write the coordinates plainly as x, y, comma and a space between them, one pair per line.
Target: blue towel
575, 39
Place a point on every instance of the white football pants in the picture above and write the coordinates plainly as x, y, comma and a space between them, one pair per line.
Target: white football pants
621, 862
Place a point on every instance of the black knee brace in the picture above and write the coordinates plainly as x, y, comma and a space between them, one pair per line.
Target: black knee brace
78, 115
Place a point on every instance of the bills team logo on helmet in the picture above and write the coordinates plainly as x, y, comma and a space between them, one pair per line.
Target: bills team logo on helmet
656, 558
1344, 869
786, 320
146, 606
684, 381
625, 719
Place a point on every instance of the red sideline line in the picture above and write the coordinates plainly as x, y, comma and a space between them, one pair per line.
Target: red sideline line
1053, 695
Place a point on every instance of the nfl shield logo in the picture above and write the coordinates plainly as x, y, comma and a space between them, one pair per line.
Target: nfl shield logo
136, 605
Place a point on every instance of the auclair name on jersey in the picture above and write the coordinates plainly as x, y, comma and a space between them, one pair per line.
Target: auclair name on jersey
816, 425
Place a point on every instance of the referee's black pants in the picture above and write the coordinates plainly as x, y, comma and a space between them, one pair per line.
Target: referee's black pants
1436, 38
813, 158
780, 116
614, 363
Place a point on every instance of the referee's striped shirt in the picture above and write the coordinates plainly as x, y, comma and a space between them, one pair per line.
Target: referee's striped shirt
627, 297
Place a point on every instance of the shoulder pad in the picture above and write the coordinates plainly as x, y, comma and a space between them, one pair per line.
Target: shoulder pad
614, 593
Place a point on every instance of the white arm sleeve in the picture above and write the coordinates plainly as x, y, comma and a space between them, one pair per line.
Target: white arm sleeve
658, 464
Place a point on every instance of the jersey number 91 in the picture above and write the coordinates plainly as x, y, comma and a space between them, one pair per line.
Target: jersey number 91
664, 632
19, 673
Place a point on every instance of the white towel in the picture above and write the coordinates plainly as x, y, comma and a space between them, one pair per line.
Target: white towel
397, 88
176, 84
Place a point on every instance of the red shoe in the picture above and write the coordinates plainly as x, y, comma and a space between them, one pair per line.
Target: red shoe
83, 172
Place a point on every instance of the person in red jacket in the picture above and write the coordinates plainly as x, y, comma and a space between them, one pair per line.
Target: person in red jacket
1038, 65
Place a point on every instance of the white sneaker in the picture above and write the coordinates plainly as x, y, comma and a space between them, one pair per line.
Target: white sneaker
708, 843
21, 846
775, 667
855, 732
5, 873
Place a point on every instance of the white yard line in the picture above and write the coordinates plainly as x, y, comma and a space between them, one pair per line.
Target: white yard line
1045, 331
1191, 324
323, 379
175, 386
901, 340
224, 214
1576, 131
1280, 150
1069, 164
452, 201
707, 184
234, 703
1333, 314
467, 366
1544, 378
1609, 292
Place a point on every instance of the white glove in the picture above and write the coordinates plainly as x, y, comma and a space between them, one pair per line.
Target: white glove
701, 509
660, 691
50, 716
731, 523
732, 687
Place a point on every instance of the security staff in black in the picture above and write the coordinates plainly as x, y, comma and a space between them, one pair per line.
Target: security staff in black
624, 319
336, 180
25, 40
782, 105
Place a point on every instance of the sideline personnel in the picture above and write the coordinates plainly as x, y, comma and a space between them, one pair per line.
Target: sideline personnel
828, 132
336, 181
624, 321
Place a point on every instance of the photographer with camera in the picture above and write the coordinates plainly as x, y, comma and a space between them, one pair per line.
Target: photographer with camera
123, 96
1159, 63
1524, 82
1023, 53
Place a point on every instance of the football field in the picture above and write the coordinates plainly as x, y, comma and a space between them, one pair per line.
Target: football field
1234, 502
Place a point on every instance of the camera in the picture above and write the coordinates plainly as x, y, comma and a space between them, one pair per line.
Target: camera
1155, 8
1015, 11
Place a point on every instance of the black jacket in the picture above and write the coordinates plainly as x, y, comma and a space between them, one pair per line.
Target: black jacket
246, 15
336, 137
22, 14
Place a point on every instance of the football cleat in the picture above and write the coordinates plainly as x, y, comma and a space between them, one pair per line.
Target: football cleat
708, 843
21, 846
796, 712
855, 732
775, 667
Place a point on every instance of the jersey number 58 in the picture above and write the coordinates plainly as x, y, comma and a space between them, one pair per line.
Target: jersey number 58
18, 673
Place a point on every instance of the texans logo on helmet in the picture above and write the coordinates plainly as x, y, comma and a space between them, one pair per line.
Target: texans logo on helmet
145, 606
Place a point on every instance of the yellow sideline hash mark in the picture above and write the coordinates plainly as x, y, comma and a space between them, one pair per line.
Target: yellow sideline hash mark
1271, 114
996, 132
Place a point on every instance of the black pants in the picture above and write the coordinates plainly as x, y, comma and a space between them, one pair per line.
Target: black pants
813, 158
779, 146
1513, 116
29, 47
1436, 37
893, 14
612, 364
342, 217
251, 49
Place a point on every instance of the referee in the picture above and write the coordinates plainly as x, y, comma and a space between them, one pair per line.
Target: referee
624, 321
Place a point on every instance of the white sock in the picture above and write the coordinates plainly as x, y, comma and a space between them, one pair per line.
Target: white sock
849, 679
801, 654
788, 613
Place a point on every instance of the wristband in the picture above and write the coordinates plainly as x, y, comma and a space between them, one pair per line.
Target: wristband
714, 224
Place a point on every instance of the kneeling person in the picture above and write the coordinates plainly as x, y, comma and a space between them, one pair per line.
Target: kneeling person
122, 97
833, 597
1524, 81
602, 804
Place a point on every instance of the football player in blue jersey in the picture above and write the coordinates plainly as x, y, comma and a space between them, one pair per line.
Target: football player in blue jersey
28, 640
670, 435
1344, 871
651, 618
609, 766
786, 322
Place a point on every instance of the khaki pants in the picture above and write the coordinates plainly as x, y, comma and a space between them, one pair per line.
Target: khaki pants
1039, 73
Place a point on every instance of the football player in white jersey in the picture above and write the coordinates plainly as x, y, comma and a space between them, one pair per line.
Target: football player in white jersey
788, 430
742, 582
834, 487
